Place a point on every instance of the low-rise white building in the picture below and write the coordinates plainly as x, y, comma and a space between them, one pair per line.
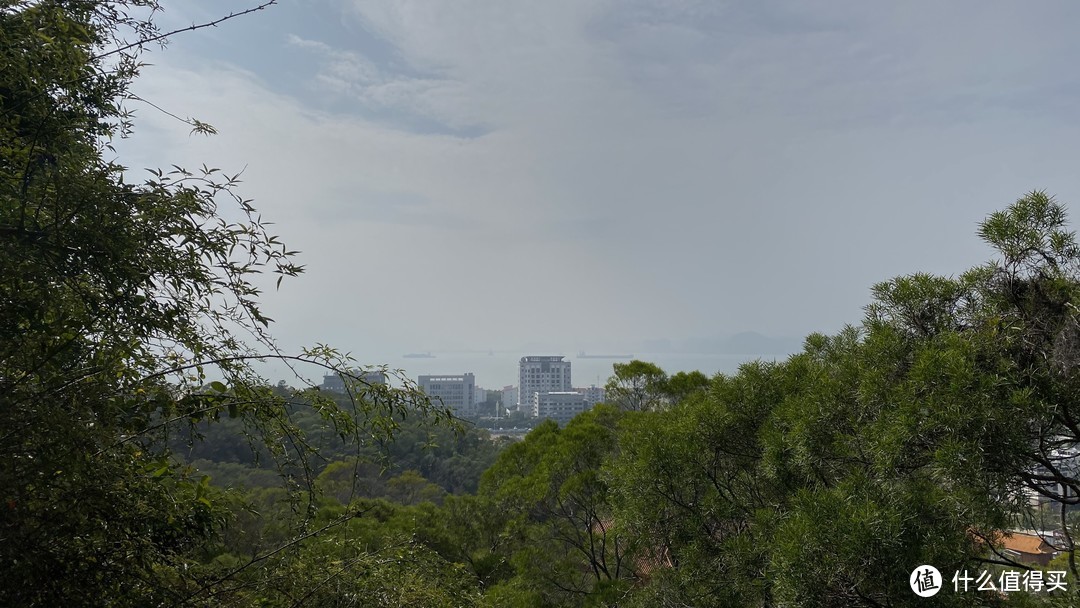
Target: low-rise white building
335, 383
593, 395
456, 392
509, 397
560, 406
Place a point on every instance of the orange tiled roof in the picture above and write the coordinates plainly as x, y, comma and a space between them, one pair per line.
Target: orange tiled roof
1025, 543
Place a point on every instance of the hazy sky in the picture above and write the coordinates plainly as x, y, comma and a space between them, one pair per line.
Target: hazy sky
577, 174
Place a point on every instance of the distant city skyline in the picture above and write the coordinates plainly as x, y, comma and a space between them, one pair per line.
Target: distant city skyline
494, 372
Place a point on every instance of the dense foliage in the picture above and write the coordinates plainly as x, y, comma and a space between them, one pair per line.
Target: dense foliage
922, 436
452, 459
118, 302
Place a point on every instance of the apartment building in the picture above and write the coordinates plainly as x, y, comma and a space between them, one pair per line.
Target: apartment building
456, 392
335, 383
560, 406
541, 374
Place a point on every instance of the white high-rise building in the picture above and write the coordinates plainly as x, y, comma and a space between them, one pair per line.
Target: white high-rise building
546, 374
456, 392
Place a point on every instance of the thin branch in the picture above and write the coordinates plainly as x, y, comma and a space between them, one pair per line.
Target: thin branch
190, 28
197, 126
235, 358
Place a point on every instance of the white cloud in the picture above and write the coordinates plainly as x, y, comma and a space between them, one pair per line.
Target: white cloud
359, 80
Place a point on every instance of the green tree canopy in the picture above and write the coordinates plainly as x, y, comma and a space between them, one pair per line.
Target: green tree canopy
915, 438
637, 386
566, 549
118, 302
